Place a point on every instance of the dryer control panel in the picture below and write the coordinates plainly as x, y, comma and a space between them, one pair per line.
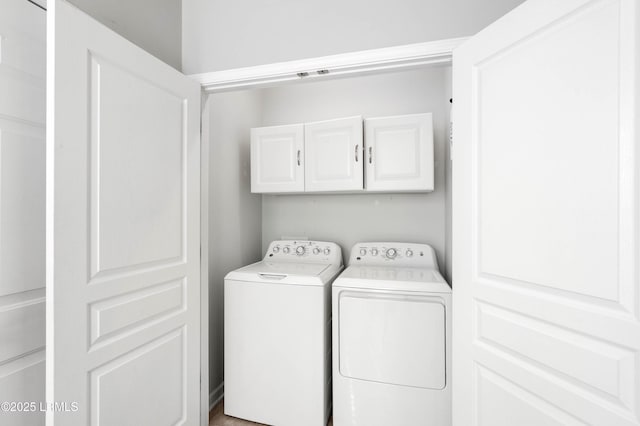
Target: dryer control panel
304, 251
396, 254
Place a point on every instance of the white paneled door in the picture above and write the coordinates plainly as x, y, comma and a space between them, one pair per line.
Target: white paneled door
123, 241
546, 217
22, 207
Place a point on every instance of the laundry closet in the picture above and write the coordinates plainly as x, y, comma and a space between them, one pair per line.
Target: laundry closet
544, 177
243, 224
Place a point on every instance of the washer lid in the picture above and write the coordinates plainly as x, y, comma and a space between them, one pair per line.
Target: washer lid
285, 273
386, 278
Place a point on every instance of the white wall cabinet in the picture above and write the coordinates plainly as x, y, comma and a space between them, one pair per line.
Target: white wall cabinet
333, 155
277, 159
399, 153
327, 156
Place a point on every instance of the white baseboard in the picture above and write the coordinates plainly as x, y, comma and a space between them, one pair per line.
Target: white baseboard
216, 396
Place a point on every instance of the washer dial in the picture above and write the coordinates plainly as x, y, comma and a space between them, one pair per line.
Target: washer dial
391, 253
300, 250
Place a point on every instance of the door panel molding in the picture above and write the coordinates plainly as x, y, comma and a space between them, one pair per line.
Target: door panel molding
138, 362
528, 339
112, 317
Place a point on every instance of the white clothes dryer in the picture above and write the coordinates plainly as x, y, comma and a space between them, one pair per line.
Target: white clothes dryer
277, 335
391, 338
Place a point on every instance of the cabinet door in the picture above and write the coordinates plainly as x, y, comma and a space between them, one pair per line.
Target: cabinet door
277, 155
399, 153
546, 217
333, 159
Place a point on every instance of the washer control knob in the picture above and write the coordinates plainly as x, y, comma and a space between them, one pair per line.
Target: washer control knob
391, 253
363, 252
300, 250
276, 249
374, 252
316, 250
286, 250
327, 251
409, 253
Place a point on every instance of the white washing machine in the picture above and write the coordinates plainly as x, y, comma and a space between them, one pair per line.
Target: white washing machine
391, 338
277, 335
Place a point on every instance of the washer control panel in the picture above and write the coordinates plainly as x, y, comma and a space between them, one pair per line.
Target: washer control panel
304, 251
394, 254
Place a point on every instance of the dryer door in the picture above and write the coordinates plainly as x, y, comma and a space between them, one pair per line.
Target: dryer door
392, 338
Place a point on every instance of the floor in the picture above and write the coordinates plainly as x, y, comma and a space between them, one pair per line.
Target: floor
217, 418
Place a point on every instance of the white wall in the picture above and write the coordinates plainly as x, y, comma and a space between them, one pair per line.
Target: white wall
235, 214
154, 25
220, 34
350, 218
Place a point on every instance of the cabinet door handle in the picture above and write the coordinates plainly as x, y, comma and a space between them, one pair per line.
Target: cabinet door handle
357, 146
298, 157
370, 154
